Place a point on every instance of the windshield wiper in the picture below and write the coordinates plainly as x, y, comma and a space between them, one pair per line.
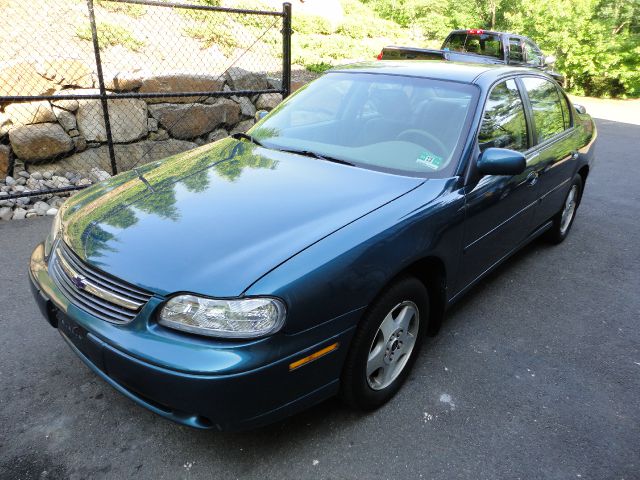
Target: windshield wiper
309, 153
246, 136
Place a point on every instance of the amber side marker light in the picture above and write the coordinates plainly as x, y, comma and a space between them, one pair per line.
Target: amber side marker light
314, 356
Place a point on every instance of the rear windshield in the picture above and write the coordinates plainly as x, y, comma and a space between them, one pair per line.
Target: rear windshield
486, 44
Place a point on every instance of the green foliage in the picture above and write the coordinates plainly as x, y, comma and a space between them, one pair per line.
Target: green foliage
215, 33
307, 24
131, 9
111, 34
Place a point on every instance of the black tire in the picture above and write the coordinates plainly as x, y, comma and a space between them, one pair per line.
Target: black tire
356, 390
556, 234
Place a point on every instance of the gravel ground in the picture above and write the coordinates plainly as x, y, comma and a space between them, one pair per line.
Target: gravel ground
535, 374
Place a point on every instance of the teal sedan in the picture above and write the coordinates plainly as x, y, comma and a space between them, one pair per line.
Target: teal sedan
240, 282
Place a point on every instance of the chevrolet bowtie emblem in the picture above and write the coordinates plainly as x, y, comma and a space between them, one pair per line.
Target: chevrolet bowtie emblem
79, 281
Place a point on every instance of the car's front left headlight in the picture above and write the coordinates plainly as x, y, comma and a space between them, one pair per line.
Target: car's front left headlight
233, 318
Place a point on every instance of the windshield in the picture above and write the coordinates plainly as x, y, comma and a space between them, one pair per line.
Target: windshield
487, 44
387, 122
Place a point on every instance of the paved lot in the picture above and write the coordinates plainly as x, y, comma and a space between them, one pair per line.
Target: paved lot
536, 374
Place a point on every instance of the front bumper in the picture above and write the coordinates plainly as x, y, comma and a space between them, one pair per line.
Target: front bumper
202, 383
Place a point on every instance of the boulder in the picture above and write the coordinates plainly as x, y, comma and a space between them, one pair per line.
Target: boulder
268, 101
4, 161
19, 214
241, 79
179, 83
123, 81
5, 213
65, 118
128, 118
246, 107
5, 124
127, 156
41, 208
41, 141
66, 72
216, 135
29, 113
242, 127
66, 104
22, 78
190, 121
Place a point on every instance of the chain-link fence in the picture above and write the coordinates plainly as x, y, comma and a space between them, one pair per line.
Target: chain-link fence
90, 88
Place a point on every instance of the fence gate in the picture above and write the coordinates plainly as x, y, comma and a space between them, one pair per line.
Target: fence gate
90, 88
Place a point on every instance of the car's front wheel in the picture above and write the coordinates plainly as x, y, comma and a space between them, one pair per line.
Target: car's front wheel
385, 345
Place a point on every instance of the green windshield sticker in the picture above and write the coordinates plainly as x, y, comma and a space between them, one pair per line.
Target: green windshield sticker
430, 160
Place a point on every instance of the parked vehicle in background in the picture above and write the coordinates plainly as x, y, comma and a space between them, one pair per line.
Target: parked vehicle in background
243, 281
480, 46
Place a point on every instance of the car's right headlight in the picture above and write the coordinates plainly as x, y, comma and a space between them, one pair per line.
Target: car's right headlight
231, 318
56, 227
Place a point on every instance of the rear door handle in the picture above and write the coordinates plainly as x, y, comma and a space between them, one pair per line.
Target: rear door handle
532, 178
574, 155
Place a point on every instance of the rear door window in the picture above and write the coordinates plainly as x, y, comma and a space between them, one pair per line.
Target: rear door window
546, 106
503, 123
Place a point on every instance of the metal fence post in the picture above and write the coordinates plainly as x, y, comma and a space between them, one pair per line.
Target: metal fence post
286, 49
103, 91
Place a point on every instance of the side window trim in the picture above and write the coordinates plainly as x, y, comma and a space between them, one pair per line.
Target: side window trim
532, 134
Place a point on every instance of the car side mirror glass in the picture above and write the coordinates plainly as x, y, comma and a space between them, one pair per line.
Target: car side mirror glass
260, 114
501, 161
550, 60
580, 108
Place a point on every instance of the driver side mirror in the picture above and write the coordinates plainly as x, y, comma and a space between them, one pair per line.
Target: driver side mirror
549, 61
501, 161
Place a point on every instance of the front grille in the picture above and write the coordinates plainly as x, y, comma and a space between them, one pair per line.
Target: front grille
98, 293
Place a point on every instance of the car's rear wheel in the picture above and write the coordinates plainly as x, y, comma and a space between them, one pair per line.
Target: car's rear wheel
385, 345
563, 220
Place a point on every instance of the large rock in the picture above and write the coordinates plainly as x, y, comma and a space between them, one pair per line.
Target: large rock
65, 118
241, 79
4, 161
5, 125
190, 121
28, 113
66, 104
41, 141
268, 101
128, 118
123, 81
180, 83
66, 72
127, 156
22, 78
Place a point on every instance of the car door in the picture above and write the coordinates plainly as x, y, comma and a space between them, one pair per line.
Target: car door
554, 143
499, 209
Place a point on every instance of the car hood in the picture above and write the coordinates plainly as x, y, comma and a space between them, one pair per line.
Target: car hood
215, 219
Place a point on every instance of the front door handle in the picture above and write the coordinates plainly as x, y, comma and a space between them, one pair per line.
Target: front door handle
574, 155
532, 178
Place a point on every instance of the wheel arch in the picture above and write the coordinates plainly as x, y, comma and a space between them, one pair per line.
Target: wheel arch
431, 271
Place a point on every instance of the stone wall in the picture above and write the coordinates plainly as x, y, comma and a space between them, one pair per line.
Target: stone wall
69, 135
63, 143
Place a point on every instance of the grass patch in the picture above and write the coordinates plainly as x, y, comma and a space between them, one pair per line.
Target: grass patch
111, 34
130, 9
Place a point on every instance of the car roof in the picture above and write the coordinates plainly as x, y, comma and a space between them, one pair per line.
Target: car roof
436, 69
